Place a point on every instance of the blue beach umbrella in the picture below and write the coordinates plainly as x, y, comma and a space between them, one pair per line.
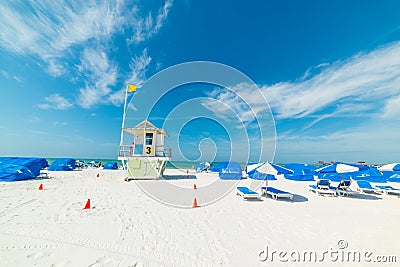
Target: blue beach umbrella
390, 167
340, 167
329, 171
391, 172
268, 168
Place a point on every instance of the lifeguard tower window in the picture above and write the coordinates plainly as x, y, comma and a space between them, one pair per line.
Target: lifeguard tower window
149, 139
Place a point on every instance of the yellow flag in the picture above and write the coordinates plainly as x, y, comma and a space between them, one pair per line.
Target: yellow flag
132, 88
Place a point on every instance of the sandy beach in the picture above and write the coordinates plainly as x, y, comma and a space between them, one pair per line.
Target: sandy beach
125, 227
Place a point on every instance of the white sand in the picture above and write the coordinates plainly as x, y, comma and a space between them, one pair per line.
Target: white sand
125, 227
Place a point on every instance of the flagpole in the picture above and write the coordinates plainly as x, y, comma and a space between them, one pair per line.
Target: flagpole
123, 118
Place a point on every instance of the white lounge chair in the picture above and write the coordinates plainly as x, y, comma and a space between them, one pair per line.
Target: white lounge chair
343, 188
276, 193
323, 187
247, 193
387, 189
365, 187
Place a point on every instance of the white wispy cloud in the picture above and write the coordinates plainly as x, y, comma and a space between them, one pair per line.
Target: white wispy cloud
366, 78
55, 101
57, 34
10, 76
47, 29
101, 74
363, 84
146, 27
138, 67
392, 108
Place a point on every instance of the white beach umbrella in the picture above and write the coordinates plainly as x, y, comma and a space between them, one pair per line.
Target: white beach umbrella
390, 167
340, 167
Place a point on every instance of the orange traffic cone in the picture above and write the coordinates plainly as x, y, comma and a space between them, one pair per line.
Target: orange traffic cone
87, 206
195, 203
98, 175
195, 187
41, 187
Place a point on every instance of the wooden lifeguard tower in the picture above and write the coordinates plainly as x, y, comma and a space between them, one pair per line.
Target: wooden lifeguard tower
147, 156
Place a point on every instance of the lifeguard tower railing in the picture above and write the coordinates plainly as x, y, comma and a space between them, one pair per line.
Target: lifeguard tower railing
127, 151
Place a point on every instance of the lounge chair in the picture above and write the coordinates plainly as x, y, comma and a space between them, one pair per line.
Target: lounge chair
275, 193
343, 188
43, 174
388, 189
365, 187
247, 193
323, 187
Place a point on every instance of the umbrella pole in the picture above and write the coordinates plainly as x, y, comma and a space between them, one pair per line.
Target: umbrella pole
266, 186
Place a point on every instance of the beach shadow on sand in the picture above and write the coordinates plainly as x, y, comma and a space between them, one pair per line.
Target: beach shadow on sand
178, 177
364, 196
296, 199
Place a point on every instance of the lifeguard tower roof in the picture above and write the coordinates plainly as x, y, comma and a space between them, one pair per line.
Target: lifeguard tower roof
145, 125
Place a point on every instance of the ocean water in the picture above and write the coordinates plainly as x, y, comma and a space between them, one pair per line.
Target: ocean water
170, 165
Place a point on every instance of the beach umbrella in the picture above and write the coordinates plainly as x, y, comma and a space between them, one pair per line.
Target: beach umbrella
340, 168
391, 172
251, 168
272, 169
390, 167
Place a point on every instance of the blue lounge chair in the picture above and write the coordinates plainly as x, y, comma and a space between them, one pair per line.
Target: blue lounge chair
388, 189
247, 193
275, 193
323, 187
365, 187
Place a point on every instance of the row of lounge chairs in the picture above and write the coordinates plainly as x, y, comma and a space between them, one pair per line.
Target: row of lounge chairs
324, 187
247, 193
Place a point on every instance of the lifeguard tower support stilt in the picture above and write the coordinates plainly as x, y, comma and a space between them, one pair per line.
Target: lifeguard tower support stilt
147, 157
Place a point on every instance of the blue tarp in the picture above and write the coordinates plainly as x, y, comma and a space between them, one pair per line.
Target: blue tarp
230, 171
111, 166
33, 164
334, 177
214, 167
392, 176
372, 175
12, 172
255, 175
302, 172
67, 164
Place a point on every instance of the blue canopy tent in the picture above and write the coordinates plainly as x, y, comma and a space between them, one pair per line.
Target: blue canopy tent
230, 171
12, 172
65, 164
112, 165
301, 172
33, 164
214, 167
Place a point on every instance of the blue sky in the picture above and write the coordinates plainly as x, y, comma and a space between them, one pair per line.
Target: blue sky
330, 71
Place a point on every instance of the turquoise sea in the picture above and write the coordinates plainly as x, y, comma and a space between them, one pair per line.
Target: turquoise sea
170, 164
